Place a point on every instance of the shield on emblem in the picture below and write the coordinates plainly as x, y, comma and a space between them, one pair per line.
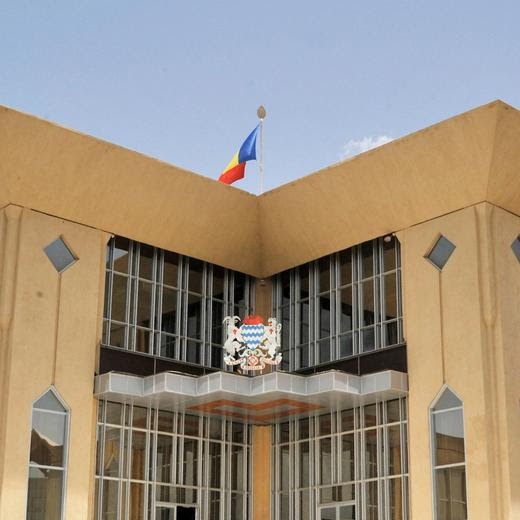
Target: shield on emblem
252, 331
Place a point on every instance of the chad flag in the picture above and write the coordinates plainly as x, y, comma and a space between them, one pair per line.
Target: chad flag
247, 152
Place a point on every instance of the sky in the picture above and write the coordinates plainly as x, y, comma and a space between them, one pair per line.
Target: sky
181, 81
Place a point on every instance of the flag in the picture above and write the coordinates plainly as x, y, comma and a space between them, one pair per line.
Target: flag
236, 168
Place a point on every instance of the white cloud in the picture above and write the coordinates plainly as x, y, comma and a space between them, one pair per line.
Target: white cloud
357, 146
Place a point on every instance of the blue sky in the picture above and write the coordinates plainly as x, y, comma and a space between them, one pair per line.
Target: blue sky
181, 81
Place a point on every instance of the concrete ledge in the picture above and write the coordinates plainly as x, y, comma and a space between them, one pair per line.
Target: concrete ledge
261, 399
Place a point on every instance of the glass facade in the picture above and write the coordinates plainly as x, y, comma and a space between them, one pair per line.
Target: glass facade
47, 459
348, 465
169, 305
151, 463
449, 459
154, 464
341, 305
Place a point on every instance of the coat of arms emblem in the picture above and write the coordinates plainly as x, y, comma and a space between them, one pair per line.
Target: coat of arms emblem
253, 345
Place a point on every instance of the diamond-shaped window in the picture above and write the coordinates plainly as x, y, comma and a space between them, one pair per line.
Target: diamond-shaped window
60, 255
515, 246
441, 252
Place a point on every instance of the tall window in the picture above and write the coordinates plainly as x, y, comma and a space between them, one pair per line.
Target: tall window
347, 465
169, 305
449, 461
341, 305
150, 462
48, 459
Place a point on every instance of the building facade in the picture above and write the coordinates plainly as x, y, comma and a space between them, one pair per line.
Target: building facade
396, 279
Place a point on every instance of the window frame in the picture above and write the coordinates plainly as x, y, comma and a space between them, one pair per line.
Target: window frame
287, 438
177, 340
66, 439
177, 435
433, 446
287, 299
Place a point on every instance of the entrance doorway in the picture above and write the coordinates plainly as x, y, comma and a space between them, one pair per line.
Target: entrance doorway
165, 512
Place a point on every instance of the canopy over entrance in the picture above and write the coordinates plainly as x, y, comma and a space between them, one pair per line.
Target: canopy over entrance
263, 399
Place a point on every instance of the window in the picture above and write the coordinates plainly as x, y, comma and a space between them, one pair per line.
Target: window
448, 456
341, 305
347, 465
515, 246
440, 253
48, 458
60, 254
149, 458
168, 305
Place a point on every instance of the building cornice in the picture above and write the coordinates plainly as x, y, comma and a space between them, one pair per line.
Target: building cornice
467, 159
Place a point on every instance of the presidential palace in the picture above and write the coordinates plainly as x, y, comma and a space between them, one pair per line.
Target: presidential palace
392, 281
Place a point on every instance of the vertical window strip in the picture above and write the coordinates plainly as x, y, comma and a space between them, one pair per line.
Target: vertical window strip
148, 458
356, 464
48, 458
448, 457
160, 303
341, 305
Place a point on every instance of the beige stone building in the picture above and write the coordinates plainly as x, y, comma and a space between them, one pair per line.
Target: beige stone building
395, 276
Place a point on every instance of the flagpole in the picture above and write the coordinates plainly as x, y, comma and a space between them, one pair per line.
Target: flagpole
261, 115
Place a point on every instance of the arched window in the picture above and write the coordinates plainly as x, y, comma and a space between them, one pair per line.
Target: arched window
448, 457
48, 458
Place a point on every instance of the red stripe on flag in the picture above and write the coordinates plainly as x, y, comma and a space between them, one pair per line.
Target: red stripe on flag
234, 174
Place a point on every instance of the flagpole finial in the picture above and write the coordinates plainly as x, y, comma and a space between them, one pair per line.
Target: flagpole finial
261, 112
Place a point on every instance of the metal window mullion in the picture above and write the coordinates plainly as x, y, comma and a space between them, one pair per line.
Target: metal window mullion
132, 311
399, 296
222, 487
335, 303
381, 297
178, 476
454, 465
119, 477
206, 280
337, 463
126, 479
316, 318
444, 410
108, 290
158, 312
184, 326
156, 292
403, 438
358, 297
292, 327
44, 466
54, 412
152, 470
227, 481
208, 326
147, 463
178, 321
377, 312
205, 471
362, 472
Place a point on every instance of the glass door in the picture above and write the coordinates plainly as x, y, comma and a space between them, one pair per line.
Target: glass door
345, 511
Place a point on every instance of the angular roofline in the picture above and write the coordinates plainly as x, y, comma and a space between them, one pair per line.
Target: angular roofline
466, 159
